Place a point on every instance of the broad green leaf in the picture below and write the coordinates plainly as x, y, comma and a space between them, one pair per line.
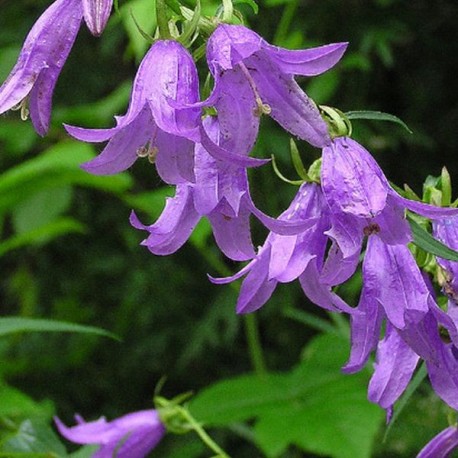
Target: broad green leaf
55, 167
18, 137
314, 407
424, 240
42, 234
33, 438
16, 404
377, 116
13, 325
41, 208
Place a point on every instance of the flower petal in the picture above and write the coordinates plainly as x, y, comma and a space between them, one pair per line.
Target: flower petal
395, 280
96, 14
227, 156
175, 158
46, 47
121, 151
229, 45
352, 181
366, 322
256, 288
395, 364
290, 106
320, 294
174, 226
441, 445
232, 234
306, 62
426, 210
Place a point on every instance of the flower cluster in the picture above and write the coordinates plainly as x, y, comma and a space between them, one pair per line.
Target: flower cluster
319, 239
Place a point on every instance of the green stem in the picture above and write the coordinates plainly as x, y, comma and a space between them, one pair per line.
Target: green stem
254, 344
206, 439
285, 22
162, 19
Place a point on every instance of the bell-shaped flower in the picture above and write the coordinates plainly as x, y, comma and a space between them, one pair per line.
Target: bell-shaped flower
254, 78
220, 193
131, 436
31, 83
152, 127
283, 258
96, 14
353, 183
362, 202
442, 445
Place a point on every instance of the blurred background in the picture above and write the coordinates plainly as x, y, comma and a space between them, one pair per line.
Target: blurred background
68, 251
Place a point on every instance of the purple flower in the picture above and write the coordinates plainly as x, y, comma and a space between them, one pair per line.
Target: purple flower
220, 193
363, 203
253, 77
131, 436
31, 82
96, 14
441, 445
284, 258
152, 127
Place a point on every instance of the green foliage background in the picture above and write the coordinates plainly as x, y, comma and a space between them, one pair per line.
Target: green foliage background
68, 251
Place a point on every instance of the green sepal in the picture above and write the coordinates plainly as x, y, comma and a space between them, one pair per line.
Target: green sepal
425, 241
339, 124
190, 27
446, 187
297, 161
377, 116
281, 176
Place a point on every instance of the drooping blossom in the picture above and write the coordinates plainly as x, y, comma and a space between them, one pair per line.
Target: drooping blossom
253, 77
363, 202
284, 258
130, 436
395, 291
220, 193
96, 14
152, 127
31, 83
442, 445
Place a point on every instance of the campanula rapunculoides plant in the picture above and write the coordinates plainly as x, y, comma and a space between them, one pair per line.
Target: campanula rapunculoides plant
198, 123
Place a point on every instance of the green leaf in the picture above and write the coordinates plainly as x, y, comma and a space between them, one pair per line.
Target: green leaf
33, 438
41, 208
314, 407
377, 116
42, 235
58, 166
16, 404
13, 325
424, 240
